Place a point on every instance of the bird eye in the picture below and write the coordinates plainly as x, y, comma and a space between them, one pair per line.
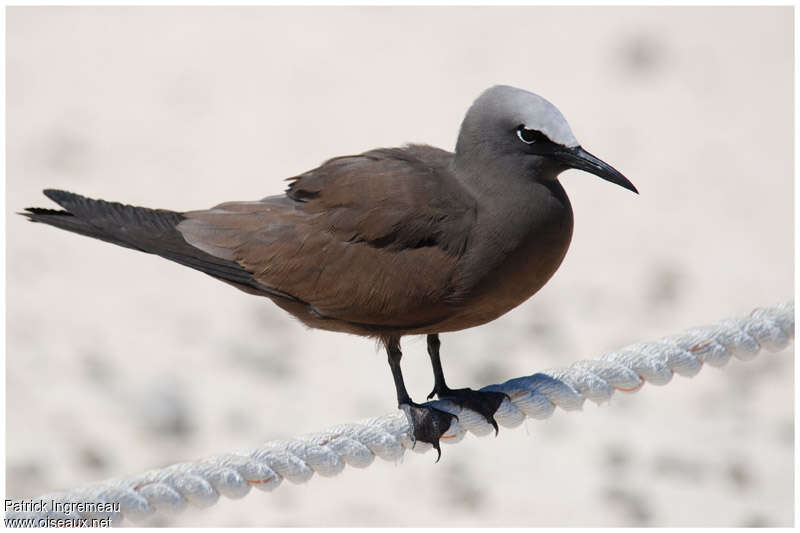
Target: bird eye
530, 136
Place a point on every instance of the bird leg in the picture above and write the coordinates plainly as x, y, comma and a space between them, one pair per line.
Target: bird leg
485, 403
428, 424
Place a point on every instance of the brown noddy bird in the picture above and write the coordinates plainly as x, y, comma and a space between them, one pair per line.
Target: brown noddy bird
392, 242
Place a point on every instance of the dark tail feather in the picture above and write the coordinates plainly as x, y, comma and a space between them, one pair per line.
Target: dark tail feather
67, 221
148, 230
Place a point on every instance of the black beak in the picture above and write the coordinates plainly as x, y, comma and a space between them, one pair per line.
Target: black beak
579, 158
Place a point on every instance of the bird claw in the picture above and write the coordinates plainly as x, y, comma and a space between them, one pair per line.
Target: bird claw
485, 403
428, 424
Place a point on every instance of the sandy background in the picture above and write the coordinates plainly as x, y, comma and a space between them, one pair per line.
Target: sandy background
118, 362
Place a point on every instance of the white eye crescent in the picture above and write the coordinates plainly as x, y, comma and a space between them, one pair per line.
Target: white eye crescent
526, 136
530, 136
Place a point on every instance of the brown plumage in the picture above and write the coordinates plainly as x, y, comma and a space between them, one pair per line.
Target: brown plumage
351, 238
391, 242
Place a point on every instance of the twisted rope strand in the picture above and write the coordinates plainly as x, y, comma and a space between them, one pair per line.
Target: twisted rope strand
200, 483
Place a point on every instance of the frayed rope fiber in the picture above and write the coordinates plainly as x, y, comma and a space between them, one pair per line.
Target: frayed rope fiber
201, 483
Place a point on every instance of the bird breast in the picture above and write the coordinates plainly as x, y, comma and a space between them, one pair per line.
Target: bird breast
512, 256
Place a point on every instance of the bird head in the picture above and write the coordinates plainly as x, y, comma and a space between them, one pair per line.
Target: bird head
522, 127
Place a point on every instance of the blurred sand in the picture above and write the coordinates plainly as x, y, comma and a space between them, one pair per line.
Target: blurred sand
118, 362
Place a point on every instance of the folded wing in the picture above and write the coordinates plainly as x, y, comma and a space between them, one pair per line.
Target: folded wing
369, 239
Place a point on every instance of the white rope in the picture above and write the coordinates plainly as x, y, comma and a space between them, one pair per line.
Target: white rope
201, 483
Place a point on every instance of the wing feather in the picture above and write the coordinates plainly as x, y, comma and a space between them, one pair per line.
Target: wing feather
373, 239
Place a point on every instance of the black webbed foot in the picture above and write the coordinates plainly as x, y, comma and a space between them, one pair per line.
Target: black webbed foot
428, 424
485, 403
